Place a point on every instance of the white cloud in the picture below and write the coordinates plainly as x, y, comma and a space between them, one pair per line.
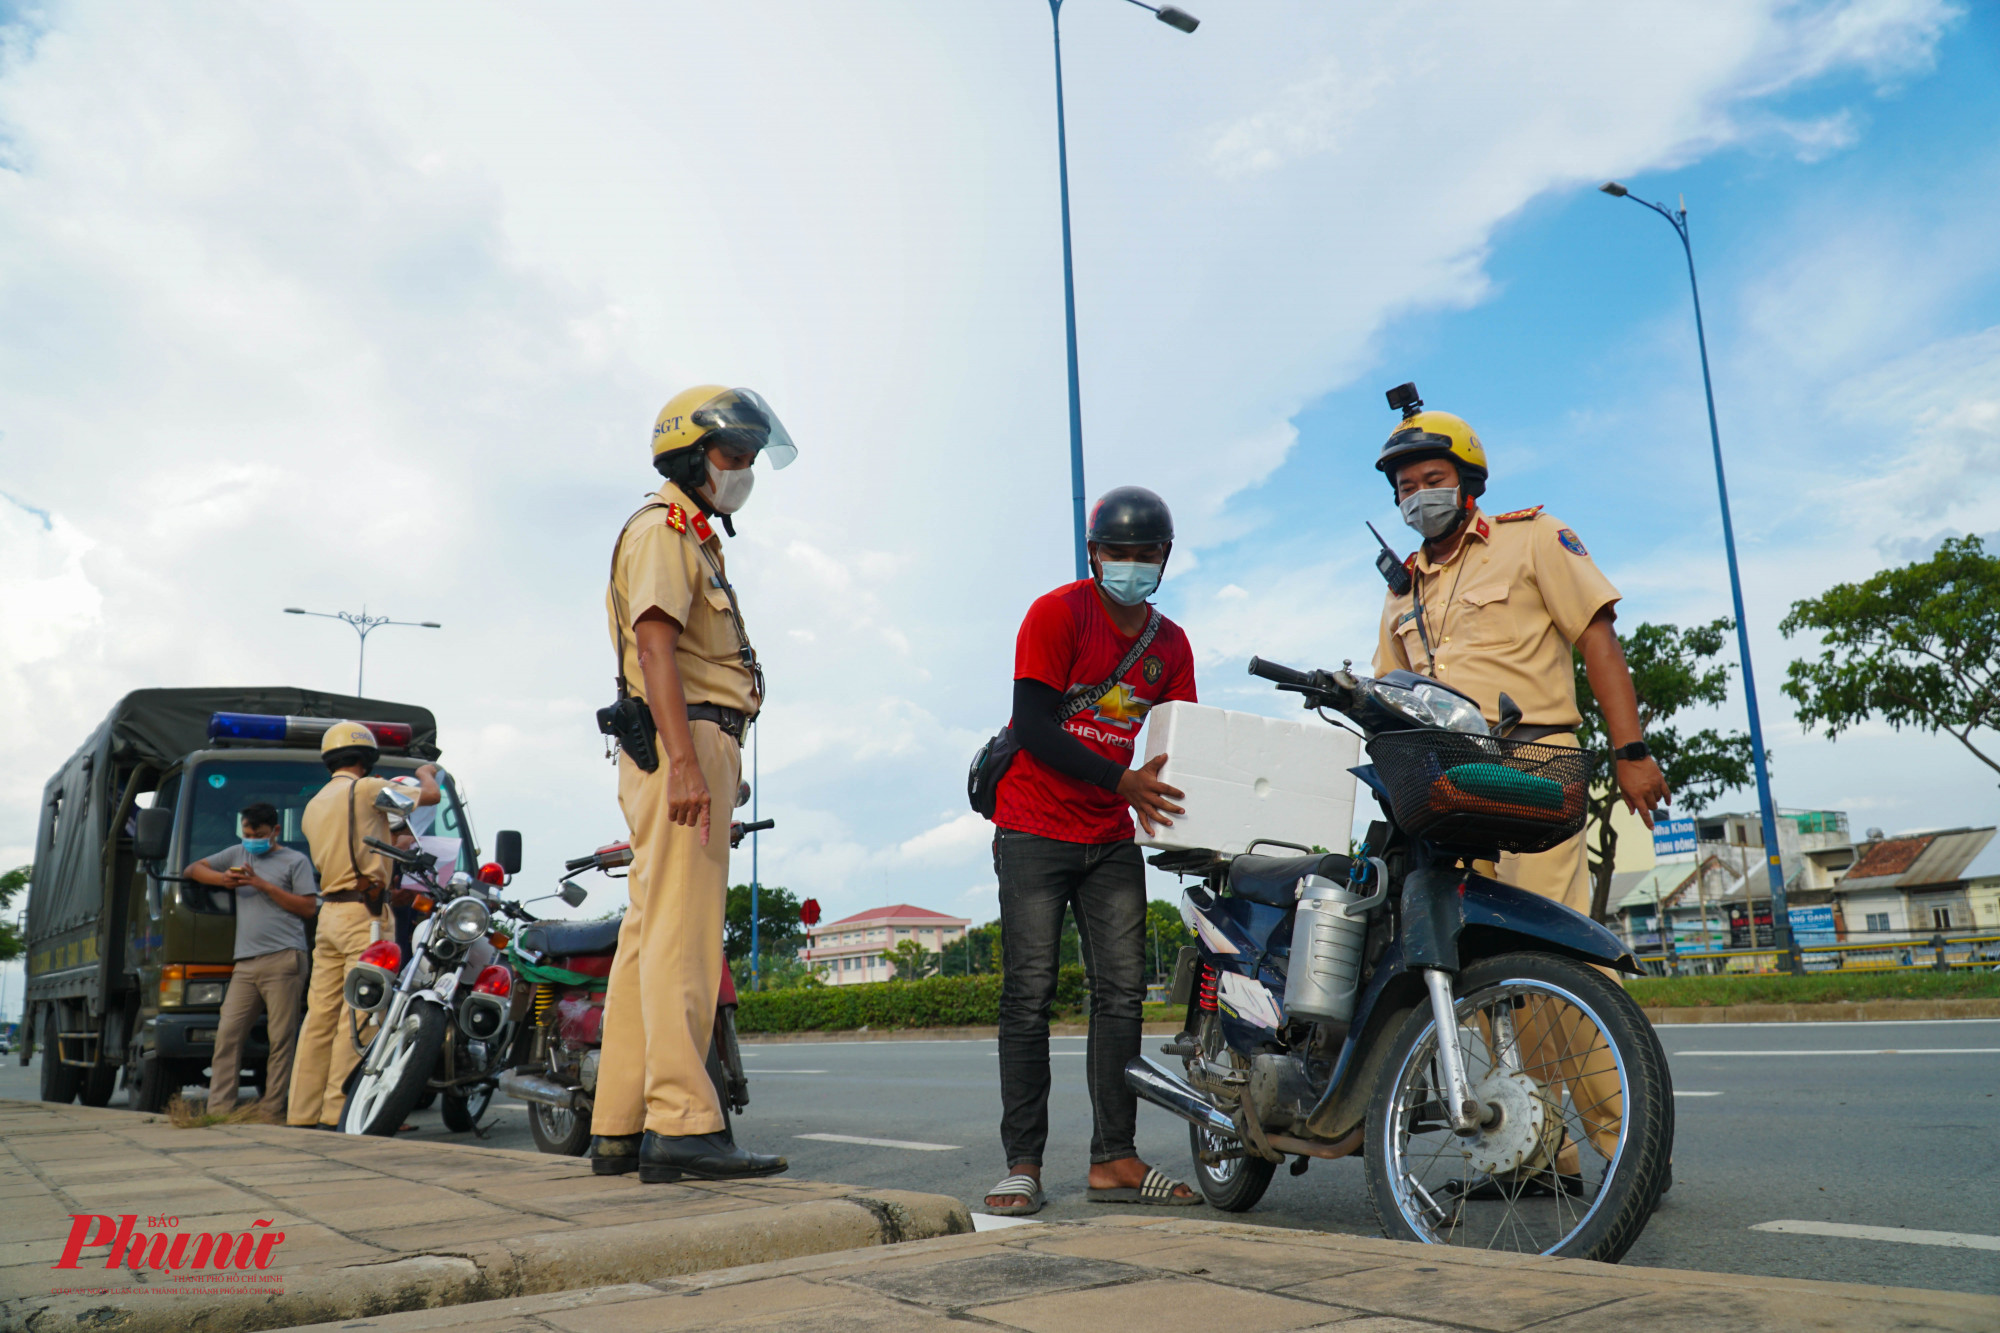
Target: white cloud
959, 839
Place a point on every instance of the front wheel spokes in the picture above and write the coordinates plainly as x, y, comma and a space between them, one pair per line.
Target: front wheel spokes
1535, 1189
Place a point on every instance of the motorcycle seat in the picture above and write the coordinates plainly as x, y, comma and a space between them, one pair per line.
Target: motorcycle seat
556, 938
1271, 880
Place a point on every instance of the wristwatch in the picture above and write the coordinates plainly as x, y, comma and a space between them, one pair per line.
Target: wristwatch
1636, 750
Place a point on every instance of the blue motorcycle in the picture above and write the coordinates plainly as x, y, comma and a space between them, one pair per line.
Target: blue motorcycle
1466, 1038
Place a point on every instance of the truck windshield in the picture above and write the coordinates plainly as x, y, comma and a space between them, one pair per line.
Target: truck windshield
221, 787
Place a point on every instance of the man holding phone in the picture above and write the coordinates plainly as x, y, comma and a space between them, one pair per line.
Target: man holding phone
276, 894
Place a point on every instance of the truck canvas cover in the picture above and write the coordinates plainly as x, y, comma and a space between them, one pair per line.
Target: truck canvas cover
156, 728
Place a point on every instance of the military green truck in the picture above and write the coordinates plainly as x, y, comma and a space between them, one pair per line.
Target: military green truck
127, 960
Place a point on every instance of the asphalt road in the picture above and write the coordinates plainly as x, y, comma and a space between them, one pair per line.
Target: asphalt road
1876, 1125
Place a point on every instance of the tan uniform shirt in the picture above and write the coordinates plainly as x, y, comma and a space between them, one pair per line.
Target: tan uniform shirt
1501, 614
325, 824
661, 566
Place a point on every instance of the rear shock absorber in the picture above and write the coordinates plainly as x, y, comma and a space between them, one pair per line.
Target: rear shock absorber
1204, 995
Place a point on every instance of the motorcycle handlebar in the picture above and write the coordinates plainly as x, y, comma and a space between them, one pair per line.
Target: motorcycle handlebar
581, 862
1282, 675
394, 853
759, 826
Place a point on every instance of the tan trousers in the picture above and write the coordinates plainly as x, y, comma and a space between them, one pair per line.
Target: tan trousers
659, 1010
268, 984
1550, 1036
326, 1055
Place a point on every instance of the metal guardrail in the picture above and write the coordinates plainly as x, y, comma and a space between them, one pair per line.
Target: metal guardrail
1965, 953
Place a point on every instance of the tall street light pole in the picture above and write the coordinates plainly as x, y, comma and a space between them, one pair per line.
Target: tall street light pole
1173, 18
1781, 926
363, 623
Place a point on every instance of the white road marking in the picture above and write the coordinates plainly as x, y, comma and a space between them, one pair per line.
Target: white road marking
1679, 1093
1905, 1050
1958, 1240
989, 1222
911, 1144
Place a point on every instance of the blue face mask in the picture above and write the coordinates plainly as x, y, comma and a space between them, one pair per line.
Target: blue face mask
256, 846
1129, 582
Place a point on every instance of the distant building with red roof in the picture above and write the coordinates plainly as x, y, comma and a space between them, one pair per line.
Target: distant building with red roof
852, 949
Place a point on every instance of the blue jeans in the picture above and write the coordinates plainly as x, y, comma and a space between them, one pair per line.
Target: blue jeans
1104, 886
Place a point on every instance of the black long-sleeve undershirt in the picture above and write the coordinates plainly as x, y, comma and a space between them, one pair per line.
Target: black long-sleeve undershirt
1036, 728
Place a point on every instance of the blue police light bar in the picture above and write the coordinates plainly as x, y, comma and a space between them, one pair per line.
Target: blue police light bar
274, 729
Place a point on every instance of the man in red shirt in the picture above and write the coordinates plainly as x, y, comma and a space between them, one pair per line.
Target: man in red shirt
1091, 659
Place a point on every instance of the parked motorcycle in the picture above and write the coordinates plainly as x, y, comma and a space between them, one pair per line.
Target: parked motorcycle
442, 1018
566, 967
1458, 1033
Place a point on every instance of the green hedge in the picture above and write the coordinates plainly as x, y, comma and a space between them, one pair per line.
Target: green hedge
930, 1003
1816, 988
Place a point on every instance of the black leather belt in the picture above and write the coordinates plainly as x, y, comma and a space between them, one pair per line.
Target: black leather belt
731, 720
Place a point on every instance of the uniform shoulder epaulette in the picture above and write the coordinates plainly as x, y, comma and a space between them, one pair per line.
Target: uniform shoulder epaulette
680, 521
1518, 515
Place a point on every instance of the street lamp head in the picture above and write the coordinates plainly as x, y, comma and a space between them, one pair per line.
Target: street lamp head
1177, 18
429, 624
1614, 189
295, 610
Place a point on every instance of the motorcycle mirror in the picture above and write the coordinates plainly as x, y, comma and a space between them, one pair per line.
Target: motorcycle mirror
395, 799
507, 850
574, 894
742, 794
1510, 715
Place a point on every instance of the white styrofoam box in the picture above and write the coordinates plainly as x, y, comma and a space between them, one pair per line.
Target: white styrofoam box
1249, 777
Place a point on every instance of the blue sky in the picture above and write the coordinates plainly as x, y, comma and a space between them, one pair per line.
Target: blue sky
314, 307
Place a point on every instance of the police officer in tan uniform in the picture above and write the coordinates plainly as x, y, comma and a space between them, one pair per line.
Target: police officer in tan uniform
689, 683
355, 882
1496, 604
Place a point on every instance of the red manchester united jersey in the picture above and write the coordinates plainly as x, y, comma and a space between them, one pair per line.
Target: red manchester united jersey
1068, 641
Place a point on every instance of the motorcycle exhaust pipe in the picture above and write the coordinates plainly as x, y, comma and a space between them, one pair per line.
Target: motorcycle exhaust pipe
528, 1087
1170, 1092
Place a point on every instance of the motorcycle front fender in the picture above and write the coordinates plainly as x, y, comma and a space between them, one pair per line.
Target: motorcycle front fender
1499, 918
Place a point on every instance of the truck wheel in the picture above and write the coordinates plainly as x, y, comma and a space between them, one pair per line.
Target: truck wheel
99, 1083
159, 1080
60, 1082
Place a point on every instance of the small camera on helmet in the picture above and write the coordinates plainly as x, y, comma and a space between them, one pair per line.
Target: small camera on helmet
1404, 399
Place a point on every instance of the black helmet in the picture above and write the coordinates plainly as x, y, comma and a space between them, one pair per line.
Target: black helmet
1131, 516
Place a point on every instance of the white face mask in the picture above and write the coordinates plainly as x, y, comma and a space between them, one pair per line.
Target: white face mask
1432, 513
728, 490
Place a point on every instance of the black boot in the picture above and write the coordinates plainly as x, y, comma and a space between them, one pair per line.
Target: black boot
666, 1157
614, 1155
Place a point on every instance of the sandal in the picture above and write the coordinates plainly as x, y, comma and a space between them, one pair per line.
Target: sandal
1025, 1188
1158, 1189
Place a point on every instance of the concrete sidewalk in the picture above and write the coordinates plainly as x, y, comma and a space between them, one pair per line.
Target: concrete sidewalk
1158, 1275
369, 1225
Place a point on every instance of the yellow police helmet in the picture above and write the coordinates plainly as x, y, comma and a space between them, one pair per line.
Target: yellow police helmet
1424, 434
346, 736
715, 413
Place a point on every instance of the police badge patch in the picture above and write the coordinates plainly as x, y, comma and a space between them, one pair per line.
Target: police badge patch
1151, 669
1570, 542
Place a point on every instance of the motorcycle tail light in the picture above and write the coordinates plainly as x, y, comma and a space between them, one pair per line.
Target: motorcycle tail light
491, 873
1205, 992
385, 954
494, 980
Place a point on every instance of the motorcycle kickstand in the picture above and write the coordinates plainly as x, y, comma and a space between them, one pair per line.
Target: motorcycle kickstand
1467, 1115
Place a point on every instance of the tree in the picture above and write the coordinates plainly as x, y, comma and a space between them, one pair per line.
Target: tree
1165, 934
912, 960
1917, 646
1673, 669
11, 883
976, 954
778, 928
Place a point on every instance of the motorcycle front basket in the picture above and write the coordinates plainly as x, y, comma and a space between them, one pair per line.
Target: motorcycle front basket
1482, 792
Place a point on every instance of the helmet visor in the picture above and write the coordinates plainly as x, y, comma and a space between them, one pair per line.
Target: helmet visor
746, 424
